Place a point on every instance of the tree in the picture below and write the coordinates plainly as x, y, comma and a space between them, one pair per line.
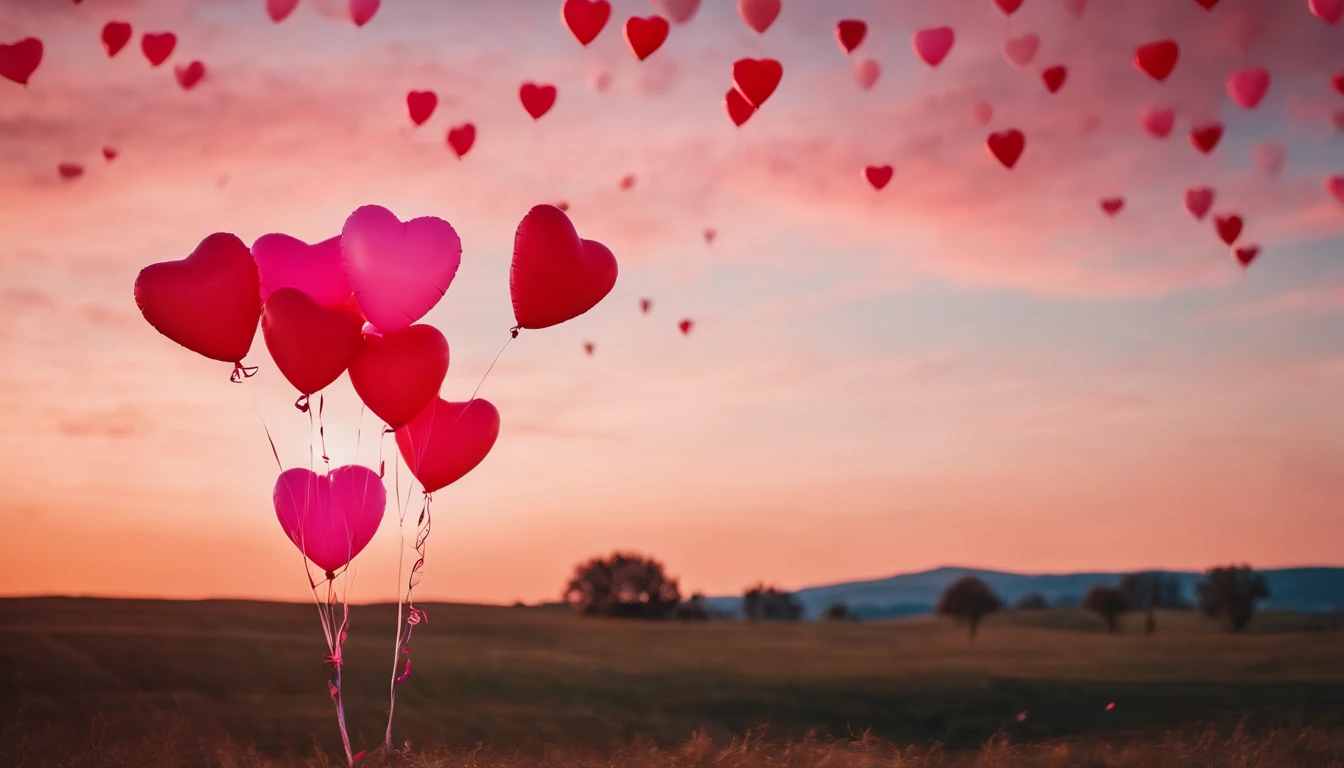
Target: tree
1151, 590
1229, 594
770, 604
839, 611
693, 609
623, 585
1030, 602
1109, 603
968, 600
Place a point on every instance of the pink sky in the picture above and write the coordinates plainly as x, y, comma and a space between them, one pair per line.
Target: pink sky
973, 366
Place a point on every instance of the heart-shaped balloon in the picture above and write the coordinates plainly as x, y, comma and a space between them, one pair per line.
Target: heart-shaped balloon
537, 99
679, 11
312, 345
461, 138
287, 262
983, 112
756, 79
1008, 6
398, 373
447, 440
1006, 146
933, 44
1270, 157
1329, 11
362, 11
116, 34
556, 276
1157, 59
1054, 78
1248, 86
189, 75
878, 175
330, 518
69, 171
1205, 136
1246, 254
1158, 121
158, 46
1229, 228
759, 14
1198, 201
1022, 49
420, 105
685, 327
645, 35
738, 108
19, 60
109, 154
208, 302
709, 235
866, 72
279, 10
1335, 186
1112, 205
585, 18
398, 270
850, 33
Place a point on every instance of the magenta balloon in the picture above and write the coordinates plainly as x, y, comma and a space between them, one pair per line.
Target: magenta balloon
287, 262
398, 271
330, 518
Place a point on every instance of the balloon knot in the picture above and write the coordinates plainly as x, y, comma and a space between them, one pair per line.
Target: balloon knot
302, 403
331, 576
241, 372
513, 332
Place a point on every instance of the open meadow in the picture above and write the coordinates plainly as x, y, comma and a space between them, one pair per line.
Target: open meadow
191, 676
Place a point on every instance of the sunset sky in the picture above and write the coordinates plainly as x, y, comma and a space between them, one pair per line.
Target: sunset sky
972, 366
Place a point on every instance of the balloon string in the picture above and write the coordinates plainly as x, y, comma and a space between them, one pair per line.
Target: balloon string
241, 372
257, 406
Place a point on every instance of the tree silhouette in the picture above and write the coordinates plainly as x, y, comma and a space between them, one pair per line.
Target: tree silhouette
839, 611
623, 585
1109, 603
968, 600
1229, 594
1150, 590
1033, 601
693, 609
770, 604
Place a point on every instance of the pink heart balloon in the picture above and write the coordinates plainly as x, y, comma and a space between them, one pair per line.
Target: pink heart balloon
1269, 156
933, 44
279, 10
866, 73
679, 11
1248, 86
1021, 50
398, 271
759, 14
1158, 122
287, 262
1198, 201
1328, 11
330, 518
983, 112
361, 11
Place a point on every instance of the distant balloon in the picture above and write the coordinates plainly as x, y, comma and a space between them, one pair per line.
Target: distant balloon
1054, 77
932, 45
279, 10
1158, 121
850, 33
645, 305
1075, 7
679, 11
588, 348
109, 154
1205, 136
556, 276
1328, 11
1198, 201
1022, 49
1229, 228
1335, 186
362, 11
738, 108
585, 18
398, 270
188, 76
158, 46
461, 138
1270, 157
685, 326
878, 175
447, 440
1338, 82
756, 79
600, 80
710, 234
866, 73
1207, 4
1112, 205
759, 14
1248, 86
1008, 6
18, 61
562, 205
1158, 59
645, 35
312, 345
331, 518
420, 105
69, 171
628, 181
1246, 254
1006, 146
116, 34
1339, 119
398, 373
983, 112
537, 99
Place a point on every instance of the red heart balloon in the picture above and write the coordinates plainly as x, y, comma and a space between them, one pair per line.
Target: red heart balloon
312, 345
420, 105
109, 154
158, 46
685, 326
756, 79
1112, 205
1205, 137
1247, 254
588, 348
447, 440
1008, 6
1198, 201
116, 34
738, 108
1054, 78
645, 305
1157, 59
208, 302
1338, 82
850, 33
190, 75
461, 137
537, 99
878, 175
1007, 146
555, 275
70, 171
398, 373
18, 61
1208, 4
645, 35
1229, 228
585, 18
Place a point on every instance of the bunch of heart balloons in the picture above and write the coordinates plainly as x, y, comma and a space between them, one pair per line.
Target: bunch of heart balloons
353, 304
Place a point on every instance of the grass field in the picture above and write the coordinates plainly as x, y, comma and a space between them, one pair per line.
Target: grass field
532, 680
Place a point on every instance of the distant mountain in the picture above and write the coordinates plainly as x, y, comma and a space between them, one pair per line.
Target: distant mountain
1314, 590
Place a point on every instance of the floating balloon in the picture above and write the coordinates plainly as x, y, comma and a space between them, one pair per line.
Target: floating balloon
627, 182
645, 305
866, 72
287, 262
537, 99
447, 440
362, 11
312, 345
759, 14
189, 75
1269, 156
398, 373
1158, 121
116, 34
679, 11
556, 276
738, 108
1205, 136
1198, 201
1335, 186
588, 348
69, 171
756, 79
850, 33
420, 105
1089, 124
600, 80
209, 302
983, 112
461, 137
1328, 11
645, 35
1009, 7
109, 154
158, 46
933, 44
1054, 77
585, 18
1207, 4
1007, 146
709, 236
1246, 254
330, 518
1021, 50
1158, 59
1075, 7
1112, 205
398, 270
878, 175
18, 61
1248, 86
1338, 82
1229, 228
685, 326
279, 10
1339, 119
